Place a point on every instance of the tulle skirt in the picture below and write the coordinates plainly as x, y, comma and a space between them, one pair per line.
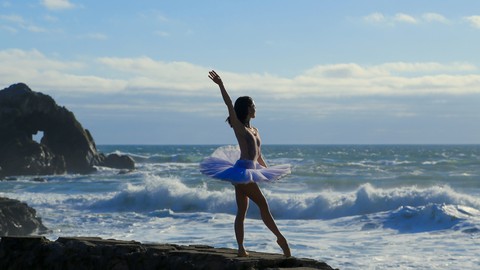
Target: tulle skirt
224, 164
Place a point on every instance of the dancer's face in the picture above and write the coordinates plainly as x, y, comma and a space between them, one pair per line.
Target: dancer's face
252, 110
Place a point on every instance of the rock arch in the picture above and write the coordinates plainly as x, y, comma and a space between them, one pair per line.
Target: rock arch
66, 147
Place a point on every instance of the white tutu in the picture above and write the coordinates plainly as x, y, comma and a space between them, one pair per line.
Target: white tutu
224, 164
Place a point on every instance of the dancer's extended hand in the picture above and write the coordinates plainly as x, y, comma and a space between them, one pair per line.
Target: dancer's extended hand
215, 77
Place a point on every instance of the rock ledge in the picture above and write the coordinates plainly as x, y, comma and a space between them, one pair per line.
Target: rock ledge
37, 252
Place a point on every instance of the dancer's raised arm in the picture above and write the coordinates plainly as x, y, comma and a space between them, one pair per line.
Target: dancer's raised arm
226, 98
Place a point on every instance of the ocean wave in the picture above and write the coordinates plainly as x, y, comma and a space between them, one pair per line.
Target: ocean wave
157, 193
431, 217
169, 193
404, 209
365, 200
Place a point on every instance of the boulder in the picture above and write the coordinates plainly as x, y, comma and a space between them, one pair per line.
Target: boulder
17, 218
119, 162
66, 147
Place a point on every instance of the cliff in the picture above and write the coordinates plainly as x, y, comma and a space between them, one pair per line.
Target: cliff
37, 252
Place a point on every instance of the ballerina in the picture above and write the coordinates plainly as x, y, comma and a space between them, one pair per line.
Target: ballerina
248, 169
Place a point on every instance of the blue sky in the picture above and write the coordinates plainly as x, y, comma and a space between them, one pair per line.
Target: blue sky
321, 72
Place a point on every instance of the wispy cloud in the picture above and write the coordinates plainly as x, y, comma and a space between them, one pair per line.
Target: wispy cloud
16, 22
58, 4
404, 18
161, 33
35, 28
50, 18
399, 18
474, 21
8, 28
434, 17
375, 17
154, 15
13, 18
94, 36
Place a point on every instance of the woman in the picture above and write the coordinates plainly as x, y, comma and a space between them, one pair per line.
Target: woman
248, 169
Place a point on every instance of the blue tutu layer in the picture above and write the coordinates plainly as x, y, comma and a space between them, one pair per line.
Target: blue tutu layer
225, 165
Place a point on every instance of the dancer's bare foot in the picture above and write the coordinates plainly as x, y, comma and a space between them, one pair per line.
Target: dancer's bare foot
282, 242
242, 252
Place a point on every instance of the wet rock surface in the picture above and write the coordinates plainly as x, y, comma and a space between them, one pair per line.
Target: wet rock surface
17, 218
37, 252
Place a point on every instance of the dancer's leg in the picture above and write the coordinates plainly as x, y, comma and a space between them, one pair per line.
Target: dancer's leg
255, 194
242, 207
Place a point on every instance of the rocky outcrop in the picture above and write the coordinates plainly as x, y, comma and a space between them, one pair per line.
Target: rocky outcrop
118, 161
97, 253
17, 218
66, 147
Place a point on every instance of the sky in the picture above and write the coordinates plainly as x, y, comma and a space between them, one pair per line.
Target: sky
320, 71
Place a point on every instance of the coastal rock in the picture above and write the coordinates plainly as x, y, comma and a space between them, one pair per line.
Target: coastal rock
119, 162
66, 147
96, 253
17, 218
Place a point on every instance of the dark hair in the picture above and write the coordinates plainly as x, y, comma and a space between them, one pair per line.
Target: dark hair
241, 109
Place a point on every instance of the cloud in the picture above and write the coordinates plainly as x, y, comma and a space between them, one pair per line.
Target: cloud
474, 21
94, 36
18, 22
13, 18
144, 76
154, 15
8, 28
141, 84
398, 18
35, 28
50, 18
375, 17
161, 33
404, 18
350, 79
434, 17
57, 4
390, 79
427, 67
46, 74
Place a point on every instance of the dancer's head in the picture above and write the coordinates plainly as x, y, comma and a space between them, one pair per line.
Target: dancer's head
244, 109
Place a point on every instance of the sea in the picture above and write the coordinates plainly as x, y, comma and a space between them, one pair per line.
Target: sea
351, 206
